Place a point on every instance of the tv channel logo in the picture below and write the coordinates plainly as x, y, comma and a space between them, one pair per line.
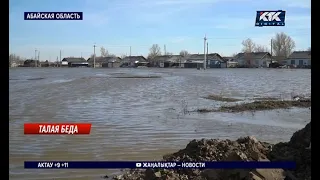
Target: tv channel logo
270, 18
138, 165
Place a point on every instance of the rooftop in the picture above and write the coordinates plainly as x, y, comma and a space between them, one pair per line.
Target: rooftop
300, 54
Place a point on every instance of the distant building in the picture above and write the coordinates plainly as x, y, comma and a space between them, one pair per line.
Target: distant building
167, 61
214, 60
134, 61
114, 62
231, 62
74, 62
31, 63
279, 59
17, 63
300, 59
255, 59
45, 64
110, 62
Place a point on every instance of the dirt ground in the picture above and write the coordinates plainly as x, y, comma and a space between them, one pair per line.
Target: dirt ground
243, 149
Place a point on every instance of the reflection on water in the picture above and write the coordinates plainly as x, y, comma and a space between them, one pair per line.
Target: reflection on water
140, 118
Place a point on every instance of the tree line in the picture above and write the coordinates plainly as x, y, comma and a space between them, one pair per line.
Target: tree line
154, 51
282, 45
15, 58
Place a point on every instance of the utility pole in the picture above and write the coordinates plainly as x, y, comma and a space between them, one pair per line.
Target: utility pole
271, 52
129, 63
60, 58
94, 56
207, 53
38, 55
35, 57
165, 50
207, 48
205, 56
271, 47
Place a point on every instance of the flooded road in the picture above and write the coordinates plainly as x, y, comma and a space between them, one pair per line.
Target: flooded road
140, 118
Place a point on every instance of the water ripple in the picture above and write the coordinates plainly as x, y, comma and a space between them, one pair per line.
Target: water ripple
140, 118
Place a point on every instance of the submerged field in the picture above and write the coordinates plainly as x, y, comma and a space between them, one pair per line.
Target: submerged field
145, 114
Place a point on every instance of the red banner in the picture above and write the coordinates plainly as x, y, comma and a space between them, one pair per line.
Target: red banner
57, 128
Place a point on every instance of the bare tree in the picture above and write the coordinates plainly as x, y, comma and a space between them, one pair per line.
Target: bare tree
169, 53
234, 54
13, 58
104, 52
184, 53
155, 50
123, 56
260, 48
309, 49
282, 45
248, 46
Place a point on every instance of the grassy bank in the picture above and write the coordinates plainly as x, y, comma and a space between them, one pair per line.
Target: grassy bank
260, 106
221, 98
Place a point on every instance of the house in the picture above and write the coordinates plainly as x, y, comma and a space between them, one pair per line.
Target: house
45, 64
74, 62
227, 58
253, 59
231, 62
105, 61
167, 61
16, 63
214, 60
13, 64
114, 62
54, 64
279, 59
134, 61
31, 63
300, 59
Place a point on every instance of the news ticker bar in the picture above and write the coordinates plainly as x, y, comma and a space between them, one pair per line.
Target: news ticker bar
57, 128
157, 164
53, 15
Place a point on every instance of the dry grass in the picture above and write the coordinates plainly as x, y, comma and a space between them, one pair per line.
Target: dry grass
260, 106
221, 98
266, 98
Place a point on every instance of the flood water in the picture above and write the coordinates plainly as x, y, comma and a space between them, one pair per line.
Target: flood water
142, 118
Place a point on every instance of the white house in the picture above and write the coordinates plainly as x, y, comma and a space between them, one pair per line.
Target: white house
299, 59
254, 59
214, 60
14, 64
74, 62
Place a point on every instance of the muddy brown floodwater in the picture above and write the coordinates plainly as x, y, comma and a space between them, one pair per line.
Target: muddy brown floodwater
141, 118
